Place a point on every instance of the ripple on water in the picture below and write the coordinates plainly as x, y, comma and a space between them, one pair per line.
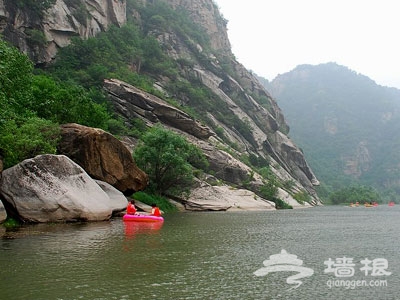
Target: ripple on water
198, 256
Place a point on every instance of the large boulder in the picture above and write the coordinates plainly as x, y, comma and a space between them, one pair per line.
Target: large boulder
3, 213
118, 199
102, 156
220, 198
52, 188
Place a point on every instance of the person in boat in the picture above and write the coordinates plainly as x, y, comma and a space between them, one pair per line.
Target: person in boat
155, 211
131, 208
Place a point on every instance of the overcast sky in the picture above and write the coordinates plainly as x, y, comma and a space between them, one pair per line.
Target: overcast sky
272, 37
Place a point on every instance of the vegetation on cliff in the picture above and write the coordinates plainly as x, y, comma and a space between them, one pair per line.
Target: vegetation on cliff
70, 89
34, 105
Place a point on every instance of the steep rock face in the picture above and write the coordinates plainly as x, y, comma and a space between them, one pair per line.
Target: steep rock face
240, 90
206, 14
268, 127
50, 188
102, 156
358, 163
84, 18
130, 102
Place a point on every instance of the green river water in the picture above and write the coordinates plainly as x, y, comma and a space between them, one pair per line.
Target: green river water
349, 253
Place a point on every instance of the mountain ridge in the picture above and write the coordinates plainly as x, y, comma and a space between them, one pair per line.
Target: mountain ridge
244, 118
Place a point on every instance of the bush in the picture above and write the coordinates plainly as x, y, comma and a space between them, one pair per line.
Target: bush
302, 197
168, 159
66, 103
161, 202
15, 79
32, 106
22, 140
11, 223
280, 204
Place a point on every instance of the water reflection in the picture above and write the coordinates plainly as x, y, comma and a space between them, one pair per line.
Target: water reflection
198, 256
135, 228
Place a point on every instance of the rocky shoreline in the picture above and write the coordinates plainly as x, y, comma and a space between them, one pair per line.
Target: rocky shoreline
89, 181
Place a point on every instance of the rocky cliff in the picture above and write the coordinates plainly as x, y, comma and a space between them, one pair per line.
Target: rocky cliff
39, 34
265, 137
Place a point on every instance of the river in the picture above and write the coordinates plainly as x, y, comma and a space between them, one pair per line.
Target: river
335, 253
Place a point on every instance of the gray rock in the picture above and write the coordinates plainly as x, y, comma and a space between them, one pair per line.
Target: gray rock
3, 213
130, 102
217, 198
117, 198
59, 24
52, 188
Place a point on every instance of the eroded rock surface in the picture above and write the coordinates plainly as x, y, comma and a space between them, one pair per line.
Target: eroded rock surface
102, 156
52, 188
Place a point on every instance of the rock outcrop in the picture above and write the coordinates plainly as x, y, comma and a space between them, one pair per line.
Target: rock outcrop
131, 102
250, 125
216, 198
207, 15
3, 213
288, 162
50, 188
63, 20
102, 156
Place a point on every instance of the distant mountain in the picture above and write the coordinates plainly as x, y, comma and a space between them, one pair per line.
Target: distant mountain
346, 124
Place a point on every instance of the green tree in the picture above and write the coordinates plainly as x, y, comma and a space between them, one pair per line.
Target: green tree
66, 103
32, 106
354, 194
15, 80
168, 159
22, 140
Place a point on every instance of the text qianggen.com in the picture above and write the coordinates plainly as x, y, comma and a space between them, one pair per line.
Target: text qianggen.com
353, 284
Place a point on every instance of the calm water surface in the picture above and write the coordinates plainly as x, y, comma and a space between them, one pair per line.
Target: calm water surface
206, 256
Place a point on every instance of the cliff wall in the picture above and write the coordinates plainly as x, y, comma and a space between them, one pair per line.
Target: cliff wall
41, 35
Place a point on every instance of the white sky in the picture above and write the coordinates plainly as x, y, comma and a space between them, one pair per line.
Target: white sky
272, 37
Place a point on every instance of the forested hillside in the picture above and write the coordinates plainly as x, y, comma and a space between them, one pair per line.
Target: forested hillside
346, 124
79, 56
